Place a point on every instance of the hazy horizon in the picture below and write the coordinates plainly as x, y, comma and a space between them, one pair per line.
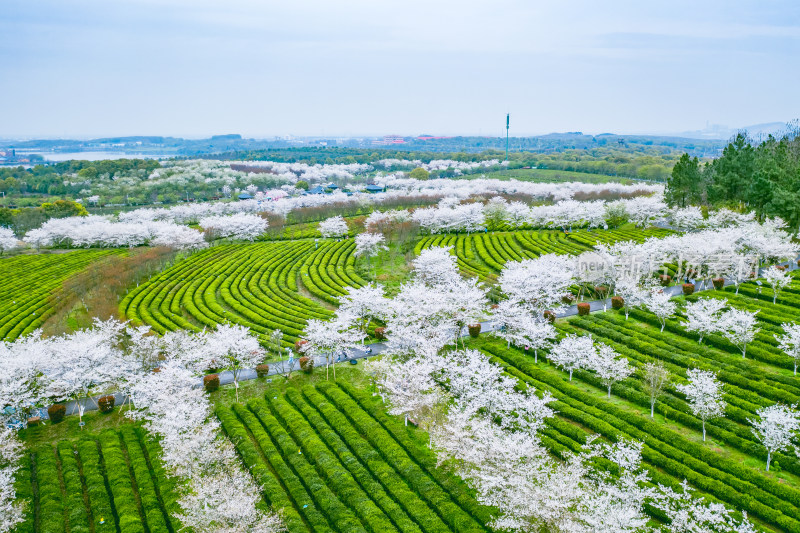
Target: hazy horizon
88, 69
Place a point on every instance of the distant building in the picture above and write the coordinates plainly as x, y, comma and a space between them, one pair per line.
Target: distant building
390, 139
245, 196
372, 188
315, 190
332, 186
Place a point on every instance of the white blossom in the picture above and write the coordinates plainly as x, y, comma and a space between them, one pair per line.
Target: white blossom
704, 394
609, 366
777, 426
572, 353
334, 227
704, 316
739, 327
789, 342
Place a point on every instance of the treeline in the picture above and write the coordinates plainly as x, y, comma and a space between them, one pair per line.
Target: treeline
764, 178
28, 218
49, 179
644, 162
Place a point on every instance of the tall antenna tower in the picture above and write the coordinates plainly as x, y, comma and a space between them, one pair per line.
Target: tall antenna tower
508, 115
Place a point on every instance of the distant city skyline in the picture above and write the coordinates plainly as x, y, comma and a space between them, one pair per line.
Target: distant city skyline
192, 69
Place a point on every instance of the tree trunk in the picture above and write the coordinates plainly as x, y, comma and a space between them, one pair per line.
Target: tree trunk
536, 357
570, 375
652, 408
744, 351
609, 392
769, 457
795, 367
704, 430
662, 326
406, 421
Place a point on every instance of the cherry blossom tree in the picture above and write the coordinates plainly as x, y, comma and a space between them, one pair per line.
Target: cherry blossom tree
20, 377
369, 245
233, 348
633, 294
655, 377
609, 366
222, 496
496, 211
242, 226
405, 384
333, 228
8, 241
81, 365
436, 266
331, 339
538, 283
739, 327
704, 316
778, 279
789, 342
704, 394
363, 304
776, 427
11, 451
573, 353
226, 500
520, 328
418, 318
660, 304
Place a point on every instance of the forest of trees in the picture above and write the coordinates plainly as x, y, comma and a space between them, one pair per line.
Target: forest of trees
762, 177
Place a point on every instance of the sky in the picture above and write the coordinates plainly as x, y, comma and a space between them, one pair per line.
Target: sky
260, 68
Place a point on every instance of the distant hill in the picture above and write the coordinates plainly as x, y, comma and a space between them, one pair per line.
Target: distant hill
719, 132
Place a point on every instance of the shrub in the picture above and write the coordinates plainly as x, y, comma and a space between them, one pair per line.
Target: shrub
57, 412
688, 288
306, 364
617, 302
568, 298
380, 334
780, 267
601, 291
106, 403
583, 308
211, 382
262, 370
664, 279
299, 343
718, 283
550, 316
474, 330
34, 421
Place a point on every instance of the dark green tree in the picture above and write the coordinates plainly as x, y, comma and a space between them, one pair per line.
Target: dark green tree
419, 173
685, 182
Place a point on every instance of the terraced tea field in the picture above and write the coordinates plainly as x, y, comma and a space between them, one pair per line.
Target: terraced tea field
29, 280
484, 254
109, 482
264, 286
730, 466
330, 459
